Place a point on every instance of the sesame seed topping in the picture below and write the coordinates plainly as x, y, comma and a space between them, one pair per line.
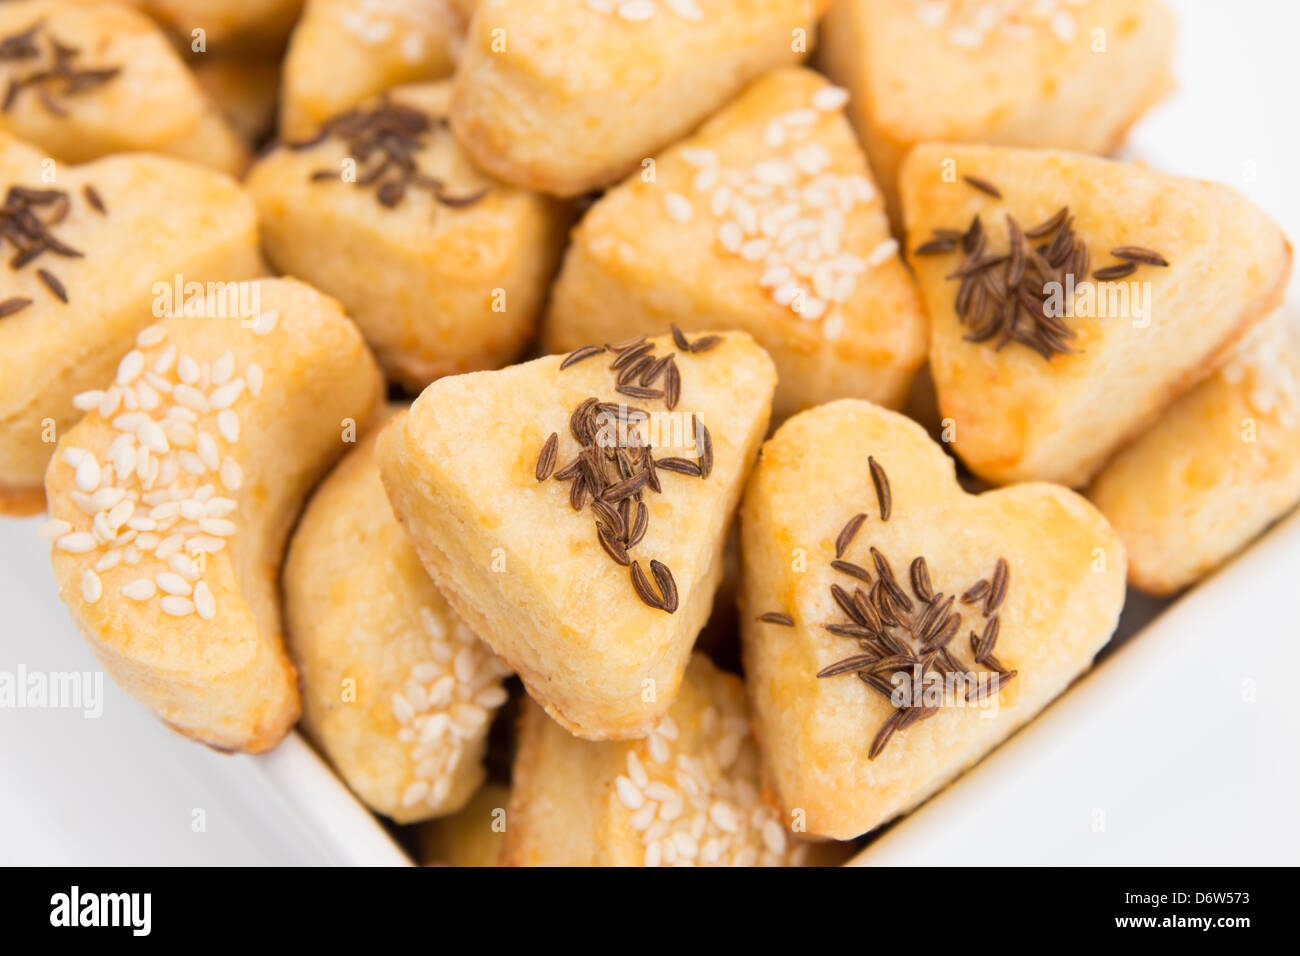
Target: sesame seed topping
787, 213
690, 807
445, 706
152, 495
970, 23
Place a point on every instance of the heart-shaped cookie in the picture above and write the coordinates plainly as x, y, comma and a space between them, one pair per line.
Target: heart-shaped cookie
444, 269
574, 511
1072, 298
169, 509
89, 260
536, 109
1074, 74
83, 80
766, 220
895, 629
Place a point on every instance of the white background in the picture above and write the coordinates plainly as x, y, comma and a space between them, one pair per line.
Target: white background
1176, 781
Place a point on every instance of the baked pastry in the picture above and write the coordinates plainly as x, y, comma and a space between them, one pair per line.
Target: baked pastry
686, 795
227, 26
473, 836
1220, 465
396, 690
343, 52
575, 515
765, 220
1071, 74
84, 80
1129, 286
535, 108
171, 501
106, 246
243, 88
443, 269
864, 563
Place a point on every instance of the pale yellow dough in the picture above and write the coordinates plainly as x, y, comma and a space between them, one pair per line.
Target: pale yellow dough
1016, 416
343, 52
436, 290
556, 96
397, 692
688, 793
153, 104
527, 572
1220, 465
196, 637
652, 253
1079, 85
162, 218
1065, 592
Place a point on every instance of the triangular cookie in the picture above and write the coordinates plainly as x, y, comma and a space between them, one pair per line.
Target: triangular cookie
765, 220
863, 560
359, 607
343, 52
537, 109
443, 268
1219, 466
598, 623
689, 792
1071, 74
170, 502
116, 237
1044, 384
83, 80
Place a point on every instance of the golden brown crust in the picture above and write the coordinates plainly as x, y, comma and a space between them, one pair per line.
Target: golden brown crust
1066, 589
1218, 467
535, 109
22, 502
687, 793
163, 218
638, 265
198, 543
526, 571
396, 691
436, 289
154, 104
1018, 416
1027, 85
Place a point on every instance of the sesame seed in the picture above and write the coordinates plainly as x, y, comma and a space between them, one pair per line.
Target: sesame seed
88, 401
628, 793
176, 605
173, 583
187, 370
151, 335
830, 98
76, 542
91, 587
55, 528
265, 323
129, 369
678, 206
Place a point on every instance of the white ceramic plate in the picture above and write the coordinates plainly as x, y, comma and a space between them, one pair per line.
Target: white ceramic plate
1178, 748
